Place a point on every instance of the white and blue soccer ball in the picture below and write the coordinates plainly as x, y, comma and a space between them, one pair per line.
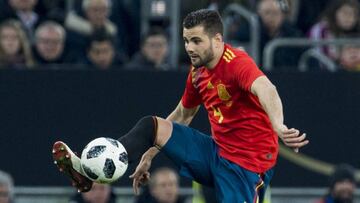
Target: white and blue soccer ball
104, 160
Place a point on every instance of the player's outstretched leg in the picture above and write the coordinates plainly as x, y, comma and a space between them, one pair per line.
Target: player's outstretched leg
140, 138
136, 142
69, 163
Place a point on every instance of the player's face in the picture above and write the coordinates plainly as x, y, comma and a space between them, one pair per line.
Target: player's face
199, 46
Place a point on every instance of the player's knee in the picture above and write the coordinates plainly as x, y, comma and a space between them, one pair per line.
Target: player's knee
147, 124
164, 130
160, 129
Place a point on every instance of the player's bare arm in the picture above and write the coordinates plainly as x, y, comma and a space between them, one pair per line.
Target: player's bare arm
271, 102
183, 115
141, 174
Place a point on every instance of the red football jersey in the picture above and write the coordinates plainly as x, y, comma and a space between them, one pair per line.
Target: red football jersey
239, 125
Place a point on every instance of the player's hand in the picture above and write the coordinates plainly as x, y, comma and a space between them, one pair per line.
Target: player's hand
141, 175
292, 137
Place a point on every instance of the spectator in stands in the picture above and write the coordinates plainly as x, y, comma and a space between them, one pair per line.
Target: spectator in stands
96, 18
6, 188
15, 51
274, 25
163, 188
342, 185
24, 11
99, 193
350, 57
153, 52
341, 19
101, 53
50, 44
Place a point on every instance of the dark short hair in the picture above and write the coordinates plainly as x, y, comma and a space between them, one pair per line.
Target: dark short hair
153, 31
342, 172
209, 19
100, 35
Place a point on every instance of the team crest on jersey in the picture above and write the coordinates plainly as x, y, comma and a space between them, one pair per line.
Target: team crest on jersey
223, 93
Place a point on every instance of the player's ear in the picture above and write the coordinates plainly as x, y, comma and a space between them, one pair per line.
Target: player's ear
218, 38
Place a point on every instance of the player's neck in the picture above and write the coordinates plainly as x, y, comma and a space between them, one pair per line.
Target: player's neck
217, 56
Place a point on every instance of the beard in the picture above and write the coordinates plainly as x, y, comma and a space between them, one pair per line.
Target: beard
206, 58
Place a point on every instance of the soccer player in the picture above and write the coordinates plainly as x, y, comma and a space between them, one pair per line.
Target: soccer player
245, 112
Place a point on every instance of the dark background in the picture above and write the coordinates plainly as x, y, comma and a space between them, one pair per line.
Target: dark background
38, 108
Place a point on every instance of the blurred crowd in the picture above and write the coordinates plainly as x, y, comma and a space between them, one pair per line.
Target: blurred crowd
92, 34
314, 20
106, 34
164, 187
342, 185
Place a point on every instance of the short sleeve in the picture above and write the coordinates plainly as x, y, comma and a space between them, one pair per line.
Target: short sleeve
246, 72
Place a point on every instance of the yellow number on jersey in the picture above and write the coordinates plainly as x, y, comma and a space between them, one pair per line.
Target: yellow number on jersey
217, 113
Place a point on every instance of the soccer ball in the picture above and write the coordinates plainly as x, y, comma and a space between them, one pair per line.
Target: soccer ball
104, 160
